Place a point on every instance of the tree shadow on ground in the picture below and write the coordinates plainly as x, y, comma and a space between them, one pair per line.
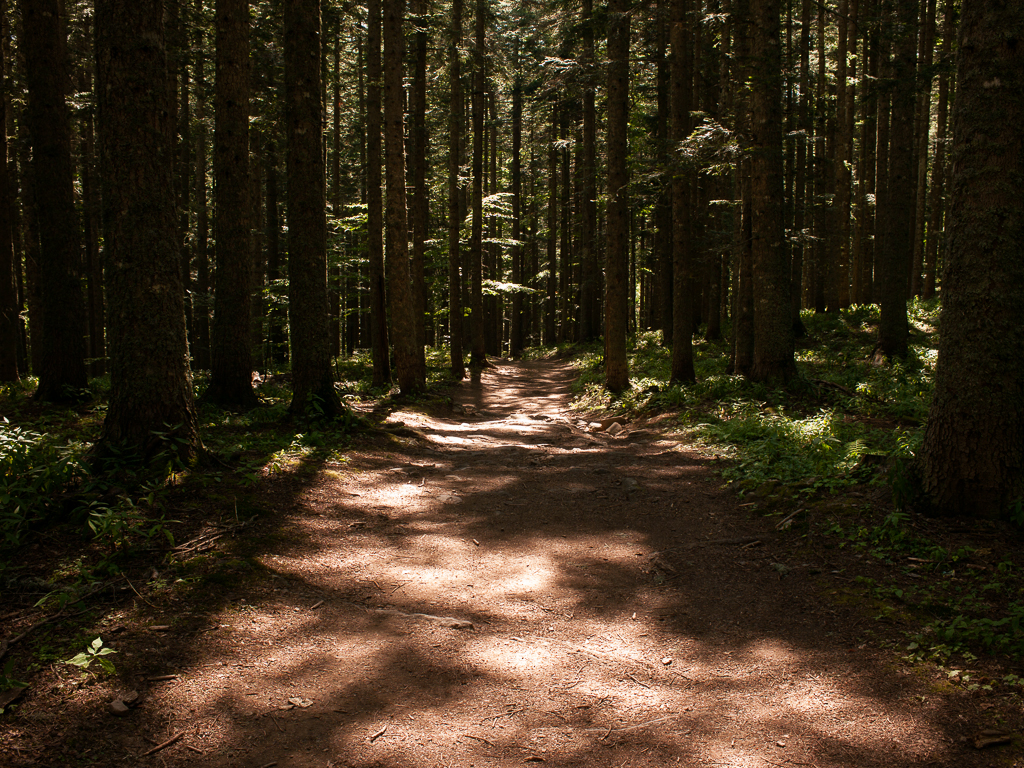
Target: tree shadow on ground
625, 611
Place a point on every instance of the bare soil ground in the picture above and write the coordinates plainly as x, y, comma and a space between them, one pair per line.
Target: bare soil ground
504, 584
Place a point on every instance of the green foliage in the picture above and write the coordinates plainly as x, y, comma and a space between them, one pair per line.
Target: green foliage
34, 468
94, 651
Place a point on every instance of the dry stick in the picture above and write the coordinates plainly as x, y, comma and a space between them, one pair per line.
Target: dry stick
479, 738
164, 745
637, 681
631, 727
139, 595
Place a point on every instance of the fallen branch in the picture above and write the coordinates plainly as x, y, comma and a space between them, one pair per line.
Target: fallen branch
630, 727
164, 745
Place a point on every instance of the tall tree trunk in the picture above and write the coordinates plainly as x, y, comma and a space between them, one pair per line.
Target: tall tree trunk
200, 344
400, 293
478, 350
616, 365
8, 284
420, 196
896, 246
801, 250
682, 183
664, 293
743, 326
935, 220
922, 130
590, 277
93, 259
334, 279
374, 201
151, 408
62, 375
277, 343
551, 315
455, 324
843, 157
973, 459
231, 338
313, 388
774, 361
515, 336
864, 212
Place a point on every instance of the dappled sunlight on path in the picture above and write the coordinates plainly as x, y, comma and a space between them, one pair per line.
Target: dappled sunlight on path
513, 586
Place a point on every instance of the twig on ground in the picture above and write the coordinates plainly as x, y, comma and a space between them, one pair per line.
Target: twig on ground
479, 738
379, 733
164, 744
638, 682
138, 594
631, 727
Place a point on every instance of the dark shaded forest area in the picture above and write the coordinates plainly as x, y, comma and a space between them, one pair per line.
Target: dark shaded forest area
238, 231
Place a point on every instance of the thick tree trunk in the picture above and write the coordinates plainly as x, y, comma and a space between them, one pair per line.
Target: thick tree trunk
515, 336
420, 211
313, 388
551, 310
231, 337
62, 375
682, 193
590, 277
9, 330
935, 220
973, 459
773, 322
200, 342
277, 343
896, 247
400, 292
478, 349
922, 131
664, 293
455, 324
379, 347
151, 409
616, 365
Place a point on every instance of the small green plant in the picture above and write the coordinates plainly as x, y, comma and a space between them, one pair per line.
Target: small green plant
95, 651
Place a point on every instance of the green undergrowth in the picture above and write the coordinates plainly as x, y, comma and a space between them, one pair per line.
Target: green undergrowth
846, 417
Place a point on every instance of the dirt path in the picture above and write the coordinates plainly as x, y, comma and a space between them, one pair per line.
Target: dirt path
513, 587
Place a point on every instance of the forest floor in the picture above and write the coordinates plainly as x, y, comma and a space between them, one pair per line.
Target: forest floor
499, 582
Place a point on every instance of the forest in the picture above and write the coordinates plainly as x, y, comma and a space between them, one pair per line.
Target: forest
240, 235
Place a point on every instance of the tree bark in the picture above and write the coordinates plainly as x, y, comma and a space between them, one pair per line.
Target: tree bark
313, 389
455, 325
151, 408
590, 277
400, 293
774, 361
935, 219
894, 256
231, 334
478, 350
9, 330
616, 365
681, 96
515, 336
973, 458
62, 374
200, 342
420, 210
379, 347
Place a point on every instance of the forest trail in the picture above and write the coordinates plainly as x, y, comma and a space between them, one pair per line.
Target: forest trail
506, 586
